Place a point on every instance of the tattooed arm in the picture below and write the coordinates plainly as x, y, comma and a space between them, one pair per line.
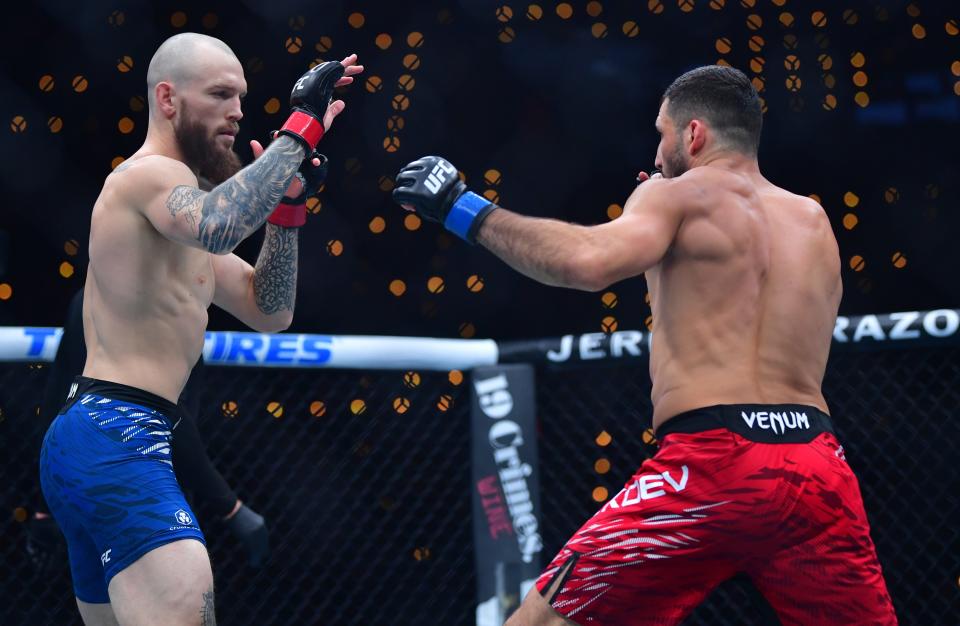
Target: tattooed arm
218, 220
261, 297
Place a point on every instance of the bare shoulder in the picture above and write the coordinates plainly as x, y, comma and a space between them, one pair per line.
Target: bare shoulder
139, 180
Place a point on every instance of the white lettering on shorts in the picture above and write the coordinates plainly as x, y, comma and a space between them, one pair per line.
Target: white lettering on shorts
648, 487
105, 557
777, 421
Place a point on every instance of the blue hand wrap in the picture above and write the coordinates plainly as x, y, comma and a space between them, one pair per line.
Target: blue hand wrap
463, 212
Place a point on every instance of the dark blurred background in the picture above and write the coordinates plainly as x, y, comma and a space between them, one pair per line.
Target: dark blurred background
547, 107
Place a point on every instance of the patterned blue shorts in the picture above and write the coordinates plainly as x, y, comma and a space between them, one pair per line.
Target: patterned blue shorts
106, 473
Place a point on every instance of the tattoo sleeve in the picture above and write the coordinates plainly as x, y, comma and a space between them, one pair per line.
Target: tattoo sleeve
207, 615
235, 208
275, 275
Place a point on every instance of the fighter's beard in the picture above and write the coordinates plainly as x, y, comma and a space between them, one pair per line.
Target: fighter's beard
201, 152
674, 164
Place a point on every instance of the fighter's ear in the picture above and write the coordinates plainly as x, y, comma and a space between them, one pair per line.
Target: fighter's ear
695, 136
165, 96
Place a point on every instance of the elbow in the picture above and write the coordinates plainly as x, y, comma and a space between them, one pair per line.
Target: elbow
588, 271
276, 323
218, 237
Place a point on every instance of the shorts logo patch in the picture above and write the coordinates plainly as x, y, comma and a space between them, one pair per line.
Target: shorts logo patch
778, 422
105, 557
183, 518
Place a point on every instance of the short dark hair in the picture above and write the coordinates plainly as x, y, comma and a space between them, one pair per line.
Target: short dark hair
722, 96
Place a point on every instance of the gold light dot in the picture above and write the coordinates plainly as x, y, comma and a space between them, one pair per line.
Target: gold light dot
913, 10
435, 284
793, 83
6, 291
80, 83
716, 5
818, 19
609, 299
564, 10
851, 199
491, 195
630, 29
829, 81
137, 104
383, 41
412, 221
467, 330
600, 494
956, 88
377, 225
899, 261
648, 437
445, 402
759, 83
115, 163
455, 377
850, 221
825, 61
272, 106
324, 45
314, 205
815, 197
55, 124
754, 21
275, 409
594, 8
857, 59
891, 195
356, 20
357, 406
46, 83
178, 19
599, 30
860, 78
756, 43
791, 63
421, 554
398, 287
18, 124
125, 125
534, 12
918, 31
601, 466
400, 102
317, 408
474, 283
504, 13
862, 98
685, 5
756, 64
411, 379
401, 405
373, 84
655, 6
614, 211
71, 247
334, 247
506, 34
952, 27
406, 82
857, 263
415, 39
608, 324
391, 143
723, 45
955, 68
19, 515
66, 269
125, 64
229, 408
411, 61
786, 18
210, 21
603, 439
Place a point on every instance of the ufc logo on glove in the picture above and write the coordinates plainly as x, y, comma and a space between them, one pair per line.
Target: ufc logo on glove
438, 175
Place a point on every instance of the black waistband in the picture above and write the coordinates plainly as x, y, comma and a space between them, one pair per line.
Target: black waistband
765, 423
116, 391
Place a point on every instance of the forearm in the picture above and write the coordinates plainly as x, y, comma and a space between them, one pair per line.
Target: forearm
234, 209
275, 274
546, 250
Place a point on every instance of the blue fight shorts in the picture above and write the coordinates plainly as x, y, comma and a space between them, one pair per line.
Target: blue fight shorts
106, 473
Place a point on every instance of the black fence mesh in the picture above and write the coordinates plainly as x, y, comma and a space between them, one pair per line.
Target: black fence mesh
364, 480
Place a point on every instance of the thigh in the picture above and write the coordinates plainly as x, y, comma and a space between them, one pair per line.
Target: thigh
828, 571
96, 614
171, 585
652, 553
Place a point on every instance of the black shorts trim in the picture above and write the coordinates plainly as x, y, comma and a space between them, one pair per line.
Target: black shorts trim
115, 391
763, 423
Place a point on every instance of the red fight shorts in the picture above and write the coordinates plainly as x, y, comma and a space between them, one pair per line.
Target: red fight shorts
763, 490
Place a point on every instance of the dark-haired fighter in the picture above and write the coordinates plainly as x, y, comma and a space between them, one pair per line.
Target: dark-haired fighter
744, 279
160, 254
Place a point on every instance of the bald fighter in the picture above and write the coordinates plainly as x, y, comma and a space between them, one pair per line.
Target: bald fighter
744, 280
160, 254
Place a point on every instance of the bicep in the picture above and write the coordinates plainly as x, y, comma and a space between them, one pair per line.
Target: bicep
170, 200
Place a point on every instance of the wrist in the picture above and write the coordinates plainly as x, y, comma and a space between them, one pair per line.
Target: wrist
236, 507
288, 215
305, 128
467, 214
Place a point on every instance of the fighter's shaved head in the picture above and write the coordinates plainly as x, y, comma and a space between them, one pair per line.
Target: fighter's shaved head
175, 61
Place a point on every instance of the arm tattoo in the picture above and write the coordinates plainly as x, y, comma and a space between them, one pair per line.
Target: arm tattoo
207, 615
238, 206
275, 276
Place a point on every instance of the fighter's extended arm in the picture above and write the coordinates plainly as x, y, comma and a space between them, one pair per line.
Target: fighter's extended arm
550, 251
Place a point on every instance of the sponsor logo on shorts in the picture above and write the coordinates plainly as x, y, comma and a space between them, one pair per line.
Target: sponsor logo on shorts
648, 487
105, 557
183, 517
777, 421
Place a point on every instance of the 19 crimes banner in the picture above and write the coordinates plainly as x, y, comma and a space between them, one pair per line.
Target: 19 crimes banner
506, 489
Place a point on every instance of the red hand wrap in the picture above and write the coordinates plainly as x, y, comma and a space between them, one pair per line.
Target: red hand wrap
309, 128
289, 215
